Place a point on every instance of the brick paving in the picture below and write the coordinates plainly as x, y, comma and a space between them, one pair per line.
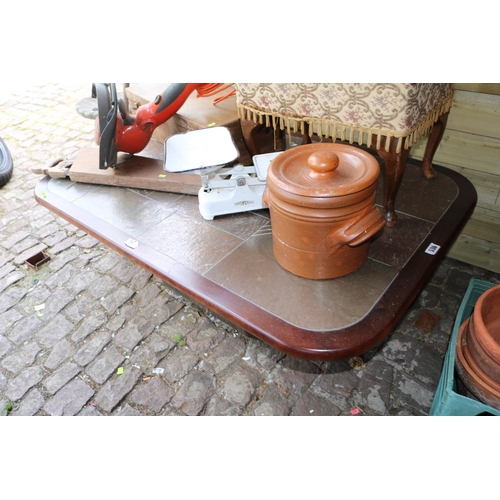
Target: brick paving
93, 334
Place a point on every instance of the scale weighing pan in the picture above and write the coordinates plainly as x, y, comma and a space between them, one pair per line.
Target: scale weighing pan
199, 150
261, 163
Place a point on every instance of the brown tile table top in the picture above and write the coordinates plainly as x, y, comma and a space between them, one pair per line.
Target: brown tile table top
228, 265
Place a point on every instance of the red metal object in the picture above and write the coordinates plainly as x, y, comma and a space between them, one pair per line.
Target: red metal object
116, 130
134, 138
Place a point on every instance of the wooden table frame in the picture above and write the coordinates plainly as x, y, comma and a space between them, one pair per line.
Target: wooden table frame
316, 345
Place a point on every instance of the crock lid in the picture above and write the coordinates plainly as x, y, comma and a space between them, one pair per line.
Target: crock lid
323, 170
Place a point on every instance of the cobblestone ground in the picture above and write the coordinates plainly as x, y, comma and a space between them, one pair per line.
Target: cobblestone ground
112, 339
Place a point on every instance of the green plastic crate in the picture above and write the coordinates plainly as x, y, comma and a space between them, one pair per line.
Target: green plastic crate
447, 401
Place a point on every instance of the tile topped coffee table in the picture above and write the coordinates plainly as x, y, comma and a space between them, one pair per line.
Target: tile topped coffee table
228, 265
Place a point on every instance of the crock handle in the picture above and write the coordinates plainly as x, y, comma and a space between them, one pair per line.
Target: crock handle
265, 198
366, 226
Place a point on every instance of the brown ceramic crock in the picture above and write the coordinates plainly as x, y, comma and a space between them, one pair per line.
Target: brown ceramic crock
321, 199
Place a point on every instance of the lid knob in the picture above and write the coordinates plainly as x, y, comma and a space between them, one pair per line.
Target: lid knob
322, 162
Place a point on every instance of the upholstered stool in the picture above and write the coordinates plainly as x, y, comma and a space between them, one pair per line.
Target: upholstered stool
387, 117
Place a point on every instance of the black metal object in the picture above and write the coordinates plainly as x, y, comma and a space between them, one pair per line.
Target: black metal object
107, 104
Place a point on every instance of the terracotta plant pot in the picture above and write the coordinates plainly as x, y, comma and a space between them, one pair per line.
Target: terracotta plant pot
481, 357
486, 319
478, 370
481, 389
321, 199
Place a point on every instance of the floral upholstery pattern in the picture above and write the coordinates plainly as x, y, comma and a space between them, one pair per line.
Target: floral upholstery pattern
361, 112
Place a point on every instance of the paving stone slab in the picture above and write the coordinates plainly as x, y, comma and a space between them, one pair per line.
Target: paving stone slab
140, 279
24, 329
127, 411
60, 353
218, 406
241, 384
113, 301
106, 262
14, 238
82, 280
127, 312
86, 258
225, 356
204, 337
172, 412
144, 323
161, 309
374, 390
47, 230
23, 357
61, 376
145, 358
272, 403
61, 277
194, 394
412, 393
413, 356
296, 376
11, 297
103, 286
178, 363
30, 404
125, 270
180, 324
52, 333
5, 346
90, 325
89, 411
55, 303
59, 261
7, 319
147, 294
36, 296
5, 270
10, 279
128, 337
105, 365
160, 346
87, 242
92, 348
311, 404
70, 399
20, 385
54, 238
113, 392
63, 245
80, 309
153, 395
338, 384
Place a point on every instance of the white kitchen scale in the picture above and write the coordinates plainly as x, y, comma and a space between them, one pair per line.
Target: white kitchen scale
226, 188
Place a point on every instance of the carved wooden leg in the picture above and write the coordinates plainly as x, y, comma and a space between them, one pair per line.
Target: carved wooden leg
260, 139
432, 144
394, 168
306, 137
249, 130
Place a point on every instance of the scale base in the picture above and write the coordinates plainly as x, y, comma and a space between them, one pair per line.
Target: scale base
223, 201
